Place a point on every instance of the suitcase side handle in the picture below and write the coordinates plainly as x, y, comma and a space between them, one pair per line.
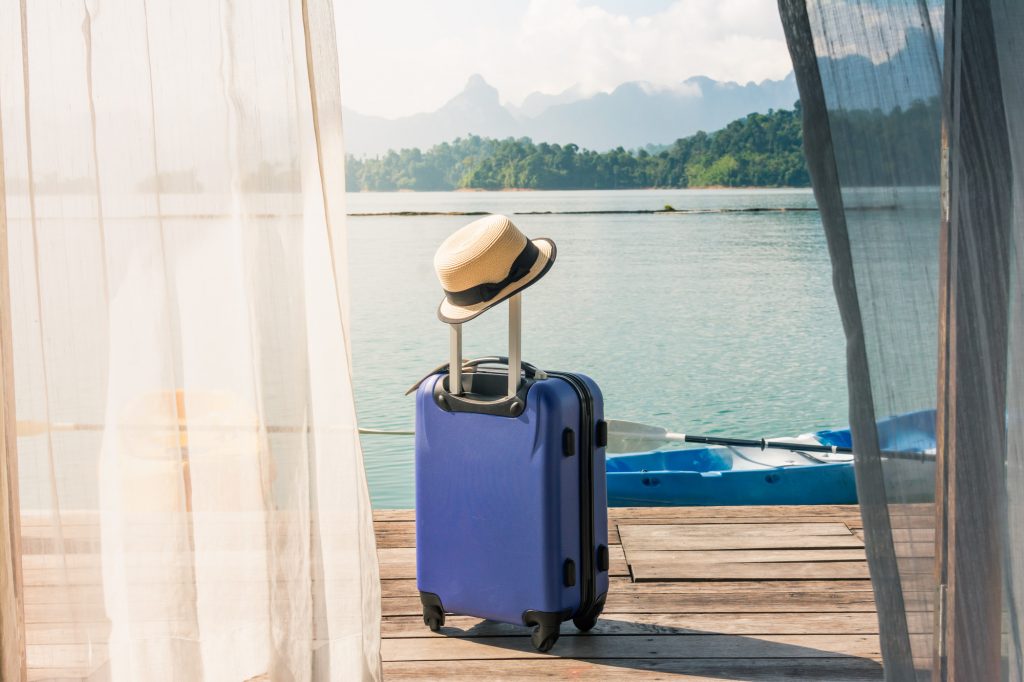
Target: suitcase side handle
529, 371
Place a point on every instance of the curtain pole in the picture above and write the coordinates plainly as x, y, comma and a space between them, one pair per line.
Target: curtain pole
12, 605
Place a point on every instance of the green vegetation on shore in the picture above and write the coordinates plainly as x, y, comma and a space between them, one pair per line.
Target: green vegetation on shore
758, 150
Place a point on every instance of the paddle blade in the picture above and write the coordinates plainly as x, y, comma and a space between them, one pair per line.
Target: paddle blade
626, 436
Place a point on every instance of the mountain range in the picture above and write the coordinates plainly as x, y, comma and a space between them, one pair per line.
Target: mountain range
634, 115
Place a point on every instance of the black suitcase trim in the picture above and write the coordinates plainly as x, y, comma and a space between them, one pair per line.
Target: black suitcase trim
586, 620
476, 389
591, 604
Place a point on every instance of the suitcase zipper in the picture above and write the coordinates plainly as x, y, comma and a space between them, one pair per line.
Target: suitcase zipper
588, 574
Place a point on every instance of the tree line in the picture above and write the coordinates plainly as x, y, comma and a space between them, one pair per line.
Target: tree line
758, 150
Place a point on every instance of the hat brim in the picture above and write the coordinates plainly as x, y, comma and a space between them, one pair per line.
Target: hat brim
454, 314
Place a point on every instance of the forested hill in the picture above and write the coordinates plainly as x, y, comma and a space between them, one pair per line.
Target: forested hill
761, 150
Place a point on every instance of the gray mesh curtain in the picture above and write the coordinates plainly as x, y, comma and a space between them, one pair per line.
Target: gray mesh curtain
912, 114
1008, 26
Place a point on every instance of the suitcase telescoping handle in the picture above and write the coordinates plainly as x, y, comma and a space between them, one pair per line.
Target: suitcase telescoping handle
515, 349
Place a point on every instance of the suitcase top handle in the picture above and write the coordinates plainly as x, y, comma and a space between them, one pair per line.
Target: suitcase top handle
515, 355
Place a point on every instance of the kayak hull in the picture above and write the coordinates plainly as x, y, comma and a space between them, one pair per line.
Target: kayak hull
811, 484
723, 476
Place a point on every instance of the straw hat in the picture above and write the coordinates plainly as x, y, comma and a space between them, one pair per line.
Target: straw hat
486, 262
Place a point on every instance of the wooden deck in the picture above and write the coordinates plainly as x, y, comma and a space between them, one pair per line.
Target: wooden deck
730, 593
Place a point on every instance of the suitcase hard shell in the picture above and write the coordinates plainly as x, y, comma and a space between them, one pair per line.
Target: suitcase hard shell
511, 510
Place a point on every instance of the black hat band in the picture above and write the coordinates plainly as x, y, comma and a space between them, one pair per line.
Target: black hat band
480, 293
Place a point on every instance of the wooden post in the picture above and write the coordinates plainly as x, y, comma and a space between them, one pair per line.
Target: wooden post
12, 606
973, 332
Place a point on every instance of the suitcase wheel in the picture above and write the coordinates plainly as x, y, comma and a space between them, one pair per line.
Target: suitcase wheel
585, 622
433, 617
544, 637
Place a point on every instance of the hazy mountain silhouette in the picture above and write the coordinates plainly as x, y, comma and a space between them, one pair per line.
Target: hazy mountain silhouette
537, 102
909, 75
476, 109
633, 115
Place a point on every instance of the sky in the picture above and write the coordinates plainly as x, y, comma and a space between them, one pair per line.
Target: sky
400, 57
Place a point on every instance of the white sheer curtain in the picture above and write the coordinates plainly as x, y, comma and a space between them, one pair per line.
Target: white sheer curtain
192, 496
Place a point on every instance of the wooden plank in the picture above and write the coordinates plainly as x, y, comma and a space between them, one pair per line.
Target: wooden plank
403, 533
399, 530
85, 655
913, 535
666, 531
407, 587
757, 564
657, 570
681, 669
742, 512
681, 514
743, 556
670, 521
634, 646
69, 633
739, 536
400, 562
395, 540
66, 517
732, 542
737, 602
394, 534
383, 515
653, 624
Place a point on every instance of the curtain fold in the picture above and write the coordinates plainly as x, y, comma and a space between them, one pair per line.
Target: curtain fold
12, 608
973, 347
1007, 20
870, 81
847, 185
193, 498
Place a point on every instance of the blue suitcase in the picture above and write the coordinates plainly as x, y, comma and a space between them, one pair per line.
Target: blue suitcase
511, 505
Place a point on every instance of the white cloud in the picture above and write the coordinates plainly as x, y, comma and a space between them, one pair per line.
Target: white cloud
405, 56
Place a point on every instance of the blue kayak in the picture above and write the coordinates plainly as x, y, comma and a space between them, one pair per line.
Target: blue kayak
721, 476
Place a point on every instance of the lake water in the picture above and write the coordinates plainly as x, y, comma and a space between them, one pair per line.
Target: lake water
719, 323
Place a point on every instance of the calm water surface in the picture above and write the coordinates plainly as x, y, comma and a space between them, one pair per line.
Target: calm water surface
720, 323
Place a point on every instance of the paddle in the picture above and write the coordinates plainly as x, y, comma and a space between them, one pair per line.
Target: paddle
625, 436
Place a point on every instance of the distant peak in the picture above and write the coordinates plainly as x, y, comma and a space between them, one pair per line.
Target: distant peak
477, 93
477, 82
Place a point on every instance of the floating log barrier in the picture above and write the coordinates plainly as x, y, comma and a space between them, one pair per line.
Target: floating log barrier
688, 211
